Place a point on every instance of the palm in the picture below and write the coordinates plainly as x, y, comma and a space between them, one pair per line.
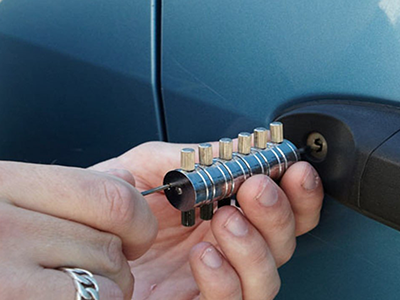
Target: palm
164, 270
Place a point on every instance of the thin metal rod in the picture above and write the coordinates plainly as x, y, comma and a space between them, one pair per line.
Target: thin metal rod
305, 150
157, 189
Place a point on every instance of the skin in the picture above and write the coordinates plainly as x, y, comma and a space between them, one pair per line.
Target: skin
96, 219
174, 267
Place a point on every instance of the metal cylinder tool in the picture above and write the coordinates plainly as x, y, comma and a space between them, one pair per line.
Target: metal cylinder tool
214, 179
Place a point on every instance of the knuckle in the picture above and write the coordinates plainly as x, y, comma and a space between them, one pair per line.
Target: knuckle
119, 202
147, 147
259, 257
152, 144
282, 220
112, 250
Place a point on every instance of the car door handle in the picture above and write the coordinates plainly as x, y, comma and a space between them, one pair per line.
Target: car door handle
355, 147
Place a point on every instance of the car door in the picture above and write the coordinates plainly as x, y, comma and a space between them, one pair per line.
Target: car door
76, 80
229, 66
81, 82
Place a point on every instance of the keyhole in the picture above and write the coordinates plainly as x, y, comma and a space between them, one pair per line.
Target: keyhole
318, 146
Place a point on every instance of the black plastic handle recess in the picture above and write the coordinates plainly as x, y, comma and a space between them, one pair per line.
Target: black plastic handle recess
356, 150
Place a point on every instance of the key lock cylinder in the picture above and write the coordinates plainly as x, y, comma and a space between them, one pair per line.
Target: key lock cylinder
216, 179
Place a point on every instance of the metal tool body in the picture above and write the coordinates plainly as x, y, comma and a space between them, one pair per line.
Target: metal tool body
223, 178
214, 179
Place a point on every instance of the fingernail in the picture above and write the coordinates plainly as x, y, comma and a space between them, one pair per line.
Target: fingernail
237, 225
211, 258
268, 194
311, 179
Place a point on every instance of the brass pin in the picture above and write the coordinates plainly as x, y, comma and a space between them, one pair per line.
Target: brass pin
244, 143
205, 154
225, 149
206, 159
187, 159
188, 218
276, 129
260, 137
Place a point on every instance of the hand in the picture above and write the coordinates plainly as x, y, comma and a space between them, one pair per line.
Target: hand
234, 256
52, 217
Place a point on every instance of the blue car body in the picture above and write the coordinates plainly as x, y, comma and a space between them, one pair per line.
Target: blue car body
82, 81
